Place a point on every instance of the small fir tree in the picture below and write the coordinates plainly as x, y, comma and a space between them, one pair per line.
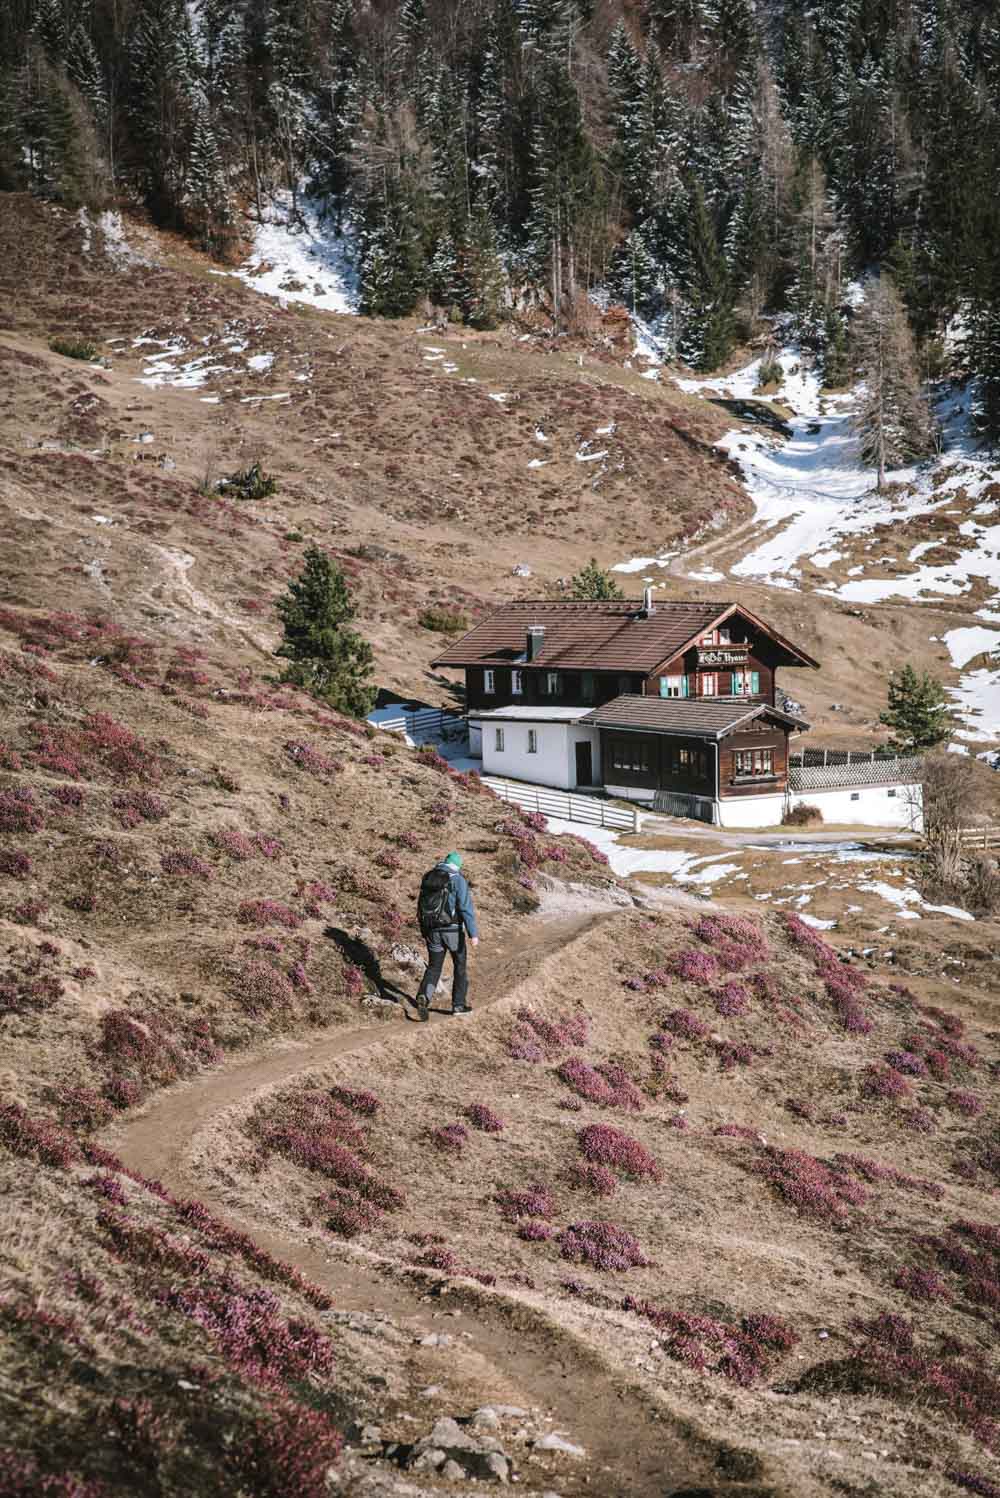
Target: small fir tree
917, 711
594, 582
326, 656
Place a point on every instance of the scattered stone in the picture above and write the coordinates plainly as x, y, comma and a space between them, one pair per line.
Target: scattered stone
406, 956
431, 1391
507, 1411
429, 1460
167, 463
436, 1339
497, 1467
452, 1471
521, 570
552, 1442
486, 1419
448, 1432
144, 438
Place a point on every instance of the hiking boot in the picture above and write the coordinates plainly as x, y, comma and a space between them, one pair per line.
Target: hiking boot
462, 1009
423, 1010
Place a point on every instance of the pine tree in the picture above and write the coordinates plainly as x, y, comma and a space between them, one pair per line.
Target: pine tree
594, 582
160, 100
207, 205
327, 657
893, 420
391, 262
917, 711
709, 332
565, 183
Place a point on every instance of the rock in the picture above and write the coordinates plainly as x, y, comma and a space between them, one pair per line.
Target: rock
371, 1433
406, 956
521, 570
436, 1339
144, 438
452, 1471
429, 1460
448, 1432
553, 1442
507, 1411
485, 1419
497, 1467
167, 463
431, 1391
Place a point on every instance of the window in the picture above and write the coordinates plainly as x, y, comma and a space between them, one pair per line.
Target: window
631, 756
891, 793
498, 740
855, 795
673, 686
755, 761
624, 685
709, 684
532, 741
746, 683
724, 638
490, 683
516, 683
708, 639
552, 683
587, 686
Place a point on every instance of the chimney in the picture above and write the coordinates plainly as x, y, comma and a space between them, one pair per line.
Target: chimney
648, 606
536, 642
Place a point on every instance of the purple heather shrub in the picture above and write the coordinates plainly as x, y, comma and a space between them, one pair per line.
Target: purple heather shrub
260, 988
347, 1213
437, 1257
695, 966
299, 978
139, 806
268, 913
535, 1038
82, 1108
732, 1054
29, 912
19, 811
883, 1084
684, 1023
603, 1245
15, 864
661, 1042
536, 1201
597, 1179
143, 1046
234, 843
634, 985
535, 820
808, 1185
36, 1139
556, 854
907, 1062
678, 1121
311, 759
450, 1138
971, 1483
801, 1110
731, 999
482, 1117
741, 1353
186, 865
602, 1144
533, 1231
121, 1093
921, 1284
570, 1104
109, 1187
69, 796
408, 840
965, 1102
920, 1120
608, 1086
721, 930
358, 1101
389, 859
737, 1131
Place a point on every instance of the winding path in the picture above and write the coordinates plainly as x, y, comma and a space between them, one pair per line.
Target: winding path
515, 1352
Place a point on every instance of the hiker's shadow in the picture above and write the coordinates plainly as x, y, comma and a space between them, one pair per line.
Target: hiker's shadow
361, 955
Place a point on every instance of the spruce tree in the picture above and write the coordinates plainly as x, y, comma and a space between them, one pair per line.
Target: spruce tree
893, 420
917, 711
594, 582
326, 656
709, 333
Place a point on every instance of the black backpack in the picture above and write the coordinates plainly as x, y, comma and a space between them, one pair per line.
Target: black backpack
437, 906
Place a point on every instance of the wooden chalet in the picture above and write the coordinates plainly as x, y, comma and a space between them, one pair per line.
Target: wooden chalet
673, 704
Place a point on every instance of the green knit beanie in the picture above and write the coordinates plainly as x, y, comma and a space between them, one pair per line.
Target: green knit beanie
455, 859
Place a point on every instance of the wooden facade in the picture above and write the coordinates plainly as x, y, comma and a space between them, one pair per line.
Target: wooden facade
682, 695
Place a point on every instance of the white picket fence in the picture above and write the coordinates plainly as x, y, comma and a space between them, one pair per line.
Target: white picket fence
590, 810
426, 723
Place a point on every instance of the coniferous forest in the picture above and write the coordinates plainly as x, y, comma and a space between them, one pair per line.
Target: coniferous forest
705, 162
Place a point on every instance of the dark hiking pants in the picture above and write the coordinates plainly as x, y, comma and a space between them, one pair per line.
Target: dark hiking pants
438, 943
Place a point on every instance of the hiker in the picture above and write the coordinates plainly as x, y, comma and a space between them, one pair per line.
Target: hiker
446, 916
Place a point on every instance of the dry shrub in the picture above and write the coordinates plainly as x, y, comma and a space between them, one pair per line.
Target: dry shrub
803, 814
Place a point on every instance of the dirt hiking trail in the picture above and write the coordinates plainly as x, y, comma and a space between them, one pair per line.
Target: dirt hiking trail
504, 1350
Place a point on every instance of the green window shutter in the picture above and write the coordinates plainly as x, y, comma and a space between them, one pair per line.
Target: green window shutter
663, 686
754, 682
685, 686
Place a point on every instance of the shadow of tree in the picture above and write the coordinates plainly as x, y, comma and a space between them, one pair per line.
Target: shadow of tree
361, 955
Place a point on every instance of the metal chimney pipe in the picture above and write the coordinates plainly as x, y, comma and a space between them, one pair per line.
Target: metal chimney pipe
648, 606
535, 642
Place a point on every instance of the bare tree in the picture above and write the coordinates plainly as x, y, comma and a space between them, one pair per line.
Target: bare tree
893, 421
953, 799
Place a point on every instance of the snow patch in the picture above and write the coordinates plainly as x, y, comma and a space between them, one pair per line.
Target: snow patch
301, 257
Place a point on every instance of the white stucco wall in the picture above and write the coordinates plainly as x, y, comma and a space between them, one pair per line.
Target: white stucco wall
553, 764
868, 805
475, 740
751, 811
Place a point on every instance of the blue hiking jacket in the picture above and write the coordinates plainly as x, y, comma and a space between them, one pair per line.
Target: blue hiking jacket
463, 898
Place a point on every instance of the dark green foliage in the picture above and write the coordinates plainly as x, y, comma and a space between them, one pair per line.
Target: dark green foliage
917, 711
74, 348
594, 582
893, 421
249, 483
326, 656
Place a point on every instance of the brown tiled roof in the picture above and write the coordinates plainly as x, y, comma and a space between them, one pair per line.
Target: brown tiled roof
596, 636
698, 716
